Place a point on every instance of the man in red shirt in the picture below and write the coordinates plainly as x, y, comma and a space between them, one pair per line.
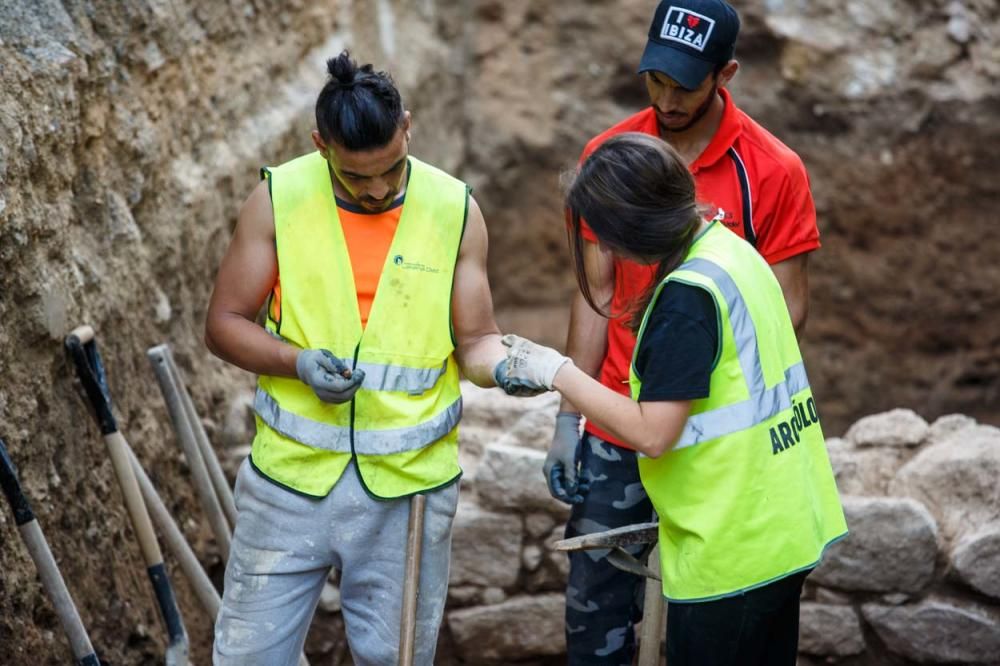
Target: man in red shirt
758, 188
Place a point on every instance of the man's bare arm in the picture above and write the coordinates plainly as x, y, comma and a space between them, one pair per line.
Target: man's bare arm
246, 276
477, 336
587, 340
793, 276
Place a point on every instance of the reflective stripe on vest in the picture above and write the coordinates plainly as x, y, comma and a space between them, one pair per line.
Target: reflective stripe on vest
381, 377
366, 442
764, 403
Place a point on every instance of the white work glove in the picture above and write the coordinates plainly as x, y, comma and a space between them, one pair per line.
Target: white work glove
519, 388
562, 460
532, 363
329, 377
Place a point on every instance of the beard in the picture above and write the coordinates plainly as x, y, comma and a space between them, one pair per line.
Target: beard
698, 114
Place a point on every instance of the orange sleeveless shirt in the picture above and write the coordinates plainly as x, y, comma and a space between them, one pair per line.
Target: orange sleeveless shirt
368, 237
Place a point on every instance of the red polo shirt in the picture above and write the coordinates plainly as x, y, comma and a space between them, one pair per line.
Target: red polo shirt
757, 186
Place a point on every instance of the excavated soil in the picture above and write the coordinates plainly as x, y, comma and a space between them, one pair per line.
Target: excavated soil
130, 132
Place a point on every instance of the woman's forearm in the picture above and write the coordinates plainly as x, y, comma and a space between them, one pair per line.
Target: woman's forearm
650, 427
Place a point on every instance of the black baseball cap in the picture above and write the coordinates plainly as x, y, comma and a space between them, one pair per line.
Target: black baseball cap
688, 38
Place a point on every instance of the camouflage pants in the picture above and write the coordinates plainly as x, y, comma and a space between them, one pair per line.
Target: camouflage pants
604, 603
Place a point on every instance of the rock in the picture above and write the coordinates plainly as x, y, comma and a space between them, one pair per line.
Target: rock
518, 628
831, 597
956, 479
329, 598
560, 559
891, 547
539, 524
899, 427
510, 478
936, 631
895, 599
948, 424
493, 595
494, 409
829, 630
486, 547
864, 471
532, 557
976, 561
463, 595
238, 426
959, 25
534, 430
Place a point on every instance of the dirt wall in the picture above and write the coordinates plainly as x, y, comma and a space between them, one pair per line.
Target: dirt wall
893, 108
129, 135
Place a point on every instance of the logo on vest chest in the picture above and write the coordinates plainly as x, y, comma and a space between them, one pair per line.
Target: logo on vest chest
413, 265
788, 433
687, 27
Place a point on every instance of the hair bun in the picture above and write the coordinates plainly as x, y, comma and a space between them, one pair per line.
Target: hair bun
342, 69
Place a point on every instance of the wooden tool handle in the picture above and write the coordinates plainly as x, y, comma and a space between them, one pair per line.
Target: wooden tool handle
83, 333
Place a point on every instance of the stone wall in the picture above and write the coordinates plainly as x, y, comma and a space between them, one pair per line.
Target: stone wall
918, 577
917, 580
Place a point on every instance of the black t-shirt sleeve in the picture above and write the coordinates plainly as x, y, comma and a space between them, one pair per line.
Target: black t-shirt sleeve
678, 350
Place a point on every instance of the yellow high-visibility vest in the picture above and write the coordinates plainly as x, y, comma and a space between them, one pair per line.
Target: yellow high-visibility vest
747, 495
401, 428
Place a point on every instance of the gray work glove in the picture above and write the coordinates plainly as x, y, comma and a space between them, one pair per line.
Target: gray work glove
520, 388
532, 363
561, 462
329, 377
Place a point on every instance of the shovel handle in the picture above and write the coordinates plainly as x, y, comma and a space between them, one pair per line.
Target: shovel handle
82, 348
411, 580
83, 333
12, 488
45, 563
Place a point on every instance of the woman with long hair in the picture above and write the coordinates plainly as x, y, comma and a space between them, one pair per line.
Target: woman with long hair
732, 454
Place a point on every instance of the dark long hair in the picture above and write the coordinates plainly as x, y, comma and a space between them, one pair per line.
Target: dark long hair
358, 108
637, 196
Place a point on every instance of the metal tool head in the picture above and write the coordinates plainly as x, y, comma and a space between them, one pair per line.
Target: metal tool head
630, 535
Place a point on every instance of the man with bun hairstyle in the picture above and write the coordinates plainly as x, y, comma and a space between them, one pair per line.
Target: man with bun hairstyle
753, 185
371, 269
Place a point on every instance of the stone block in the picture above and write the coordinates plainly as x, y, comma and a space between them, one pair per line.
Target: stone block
899, 427
956, 479
519, 628
829, 631
976, 561
937, 632
891, 547
486, 547
866, 470
948, 424
510, 479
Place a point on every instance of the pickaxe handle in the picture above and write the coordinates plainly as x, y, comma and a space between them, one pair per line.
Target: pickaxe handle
82, 347
48, 570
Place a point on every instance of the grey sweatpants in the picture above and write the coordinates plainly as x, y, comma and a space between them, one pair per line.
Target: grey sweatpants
283, 549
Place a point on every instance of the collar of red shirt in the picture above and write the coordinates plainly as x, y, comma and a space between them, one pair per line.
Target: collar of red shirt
724, 137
